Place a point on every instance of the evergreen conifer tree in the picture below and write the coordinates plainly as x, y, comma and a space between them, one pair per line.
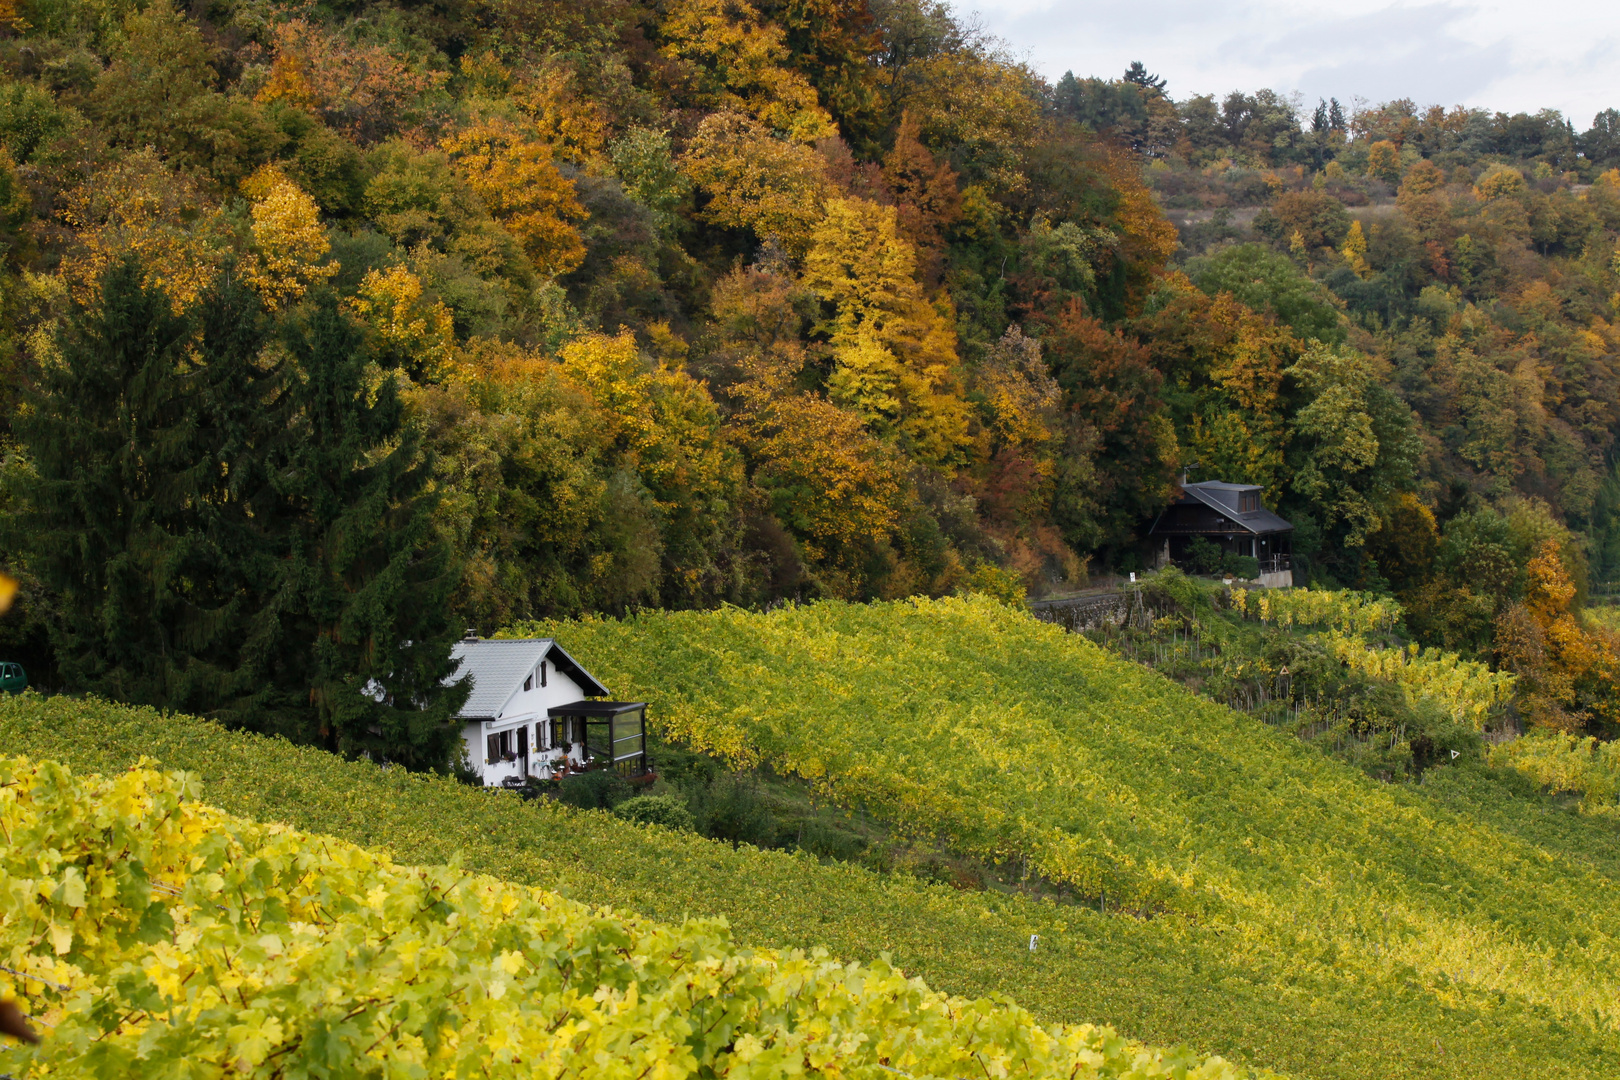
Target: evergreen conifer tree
363, 598
239, 530
111, 513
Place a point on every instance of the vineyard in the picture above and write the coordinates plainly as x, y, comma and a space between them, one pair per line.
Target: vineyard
165, 938
971, 722
1566, 764
1468, 688
1347, 611
1347, 928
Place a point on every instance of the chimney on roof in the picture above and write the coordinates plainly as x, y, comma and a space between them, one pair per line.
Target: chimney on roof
472, 634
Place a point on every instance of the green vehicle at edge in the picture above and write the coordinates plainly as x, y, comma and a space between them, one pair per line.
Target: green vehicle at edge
13, 679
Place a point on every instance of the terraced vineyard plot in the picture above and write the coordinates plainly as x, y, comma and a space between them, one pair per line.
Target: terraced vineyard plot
167, 939
972, 722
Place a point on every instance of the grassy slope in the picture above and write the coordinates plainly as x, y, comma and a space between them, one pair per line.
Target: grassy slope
1459, 919
1291, 991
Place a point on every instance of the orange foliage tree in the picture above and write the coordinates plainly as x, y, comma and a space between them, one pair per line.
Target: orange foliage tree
755, 180
363, 90
1111, 387
520, 186
736, 60
180, 238
1569, 675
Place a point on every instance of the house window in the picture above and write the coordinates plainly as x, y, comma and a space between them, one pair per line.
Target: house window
498, 746
528, 684
542, 673
1248, 502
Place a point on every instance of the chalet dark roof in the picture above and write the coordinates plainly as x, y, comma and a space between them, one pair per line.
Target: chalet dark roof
595, 708
499, 666
1225, 500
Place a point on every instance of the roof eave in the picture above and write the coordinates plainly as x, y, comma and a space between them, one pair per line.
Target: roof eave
576, 671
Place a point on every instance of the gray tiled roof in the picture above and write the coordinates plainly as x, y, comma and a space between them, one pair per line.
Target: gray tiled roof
498, 668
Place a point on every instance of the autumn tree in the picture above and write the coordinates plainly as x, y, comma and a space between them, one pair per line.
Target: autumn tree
1072, 179
1223, 366
831, 491
754, 180
739, 61
1405, 544
1111, 400
1384, 161
894, 350
415, 332
1319, 219
833, 43
1020, 394
361, 89
827, 480
925, 194
664, 426
179, 236
1568, 674
288, 239
521, 187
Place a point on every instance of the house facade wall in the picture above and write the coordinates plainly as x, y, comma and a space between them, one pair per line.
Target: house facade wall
524, 709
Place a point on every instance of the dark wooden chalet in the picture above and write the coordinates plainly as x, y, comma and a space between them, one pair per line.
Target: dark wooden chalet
1230, 516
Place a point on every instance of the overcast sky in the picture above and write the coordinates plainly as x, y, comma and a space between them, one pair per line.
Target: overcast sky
1513, 57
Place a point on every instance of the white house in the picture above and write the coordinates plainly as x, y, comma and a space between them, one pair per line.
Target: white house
529, 716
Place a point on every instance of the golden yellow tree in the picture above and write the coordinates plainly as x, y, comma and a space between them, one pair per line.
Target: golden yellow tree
895, 350
1501, 182
519, 184
1355, 249
413, 327
138, 206
828, 480
1384, 161
1021, 394
966, 97
739, 61
288, 239
666, 427
755, 180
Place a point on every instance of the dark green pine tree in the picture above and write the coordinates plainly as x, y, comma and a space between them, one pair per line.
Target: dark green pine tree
234, 521
122, 518
362, 602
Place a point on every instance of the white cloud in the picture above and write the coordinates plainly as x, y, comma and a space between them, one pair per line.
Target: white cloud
1558, 54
